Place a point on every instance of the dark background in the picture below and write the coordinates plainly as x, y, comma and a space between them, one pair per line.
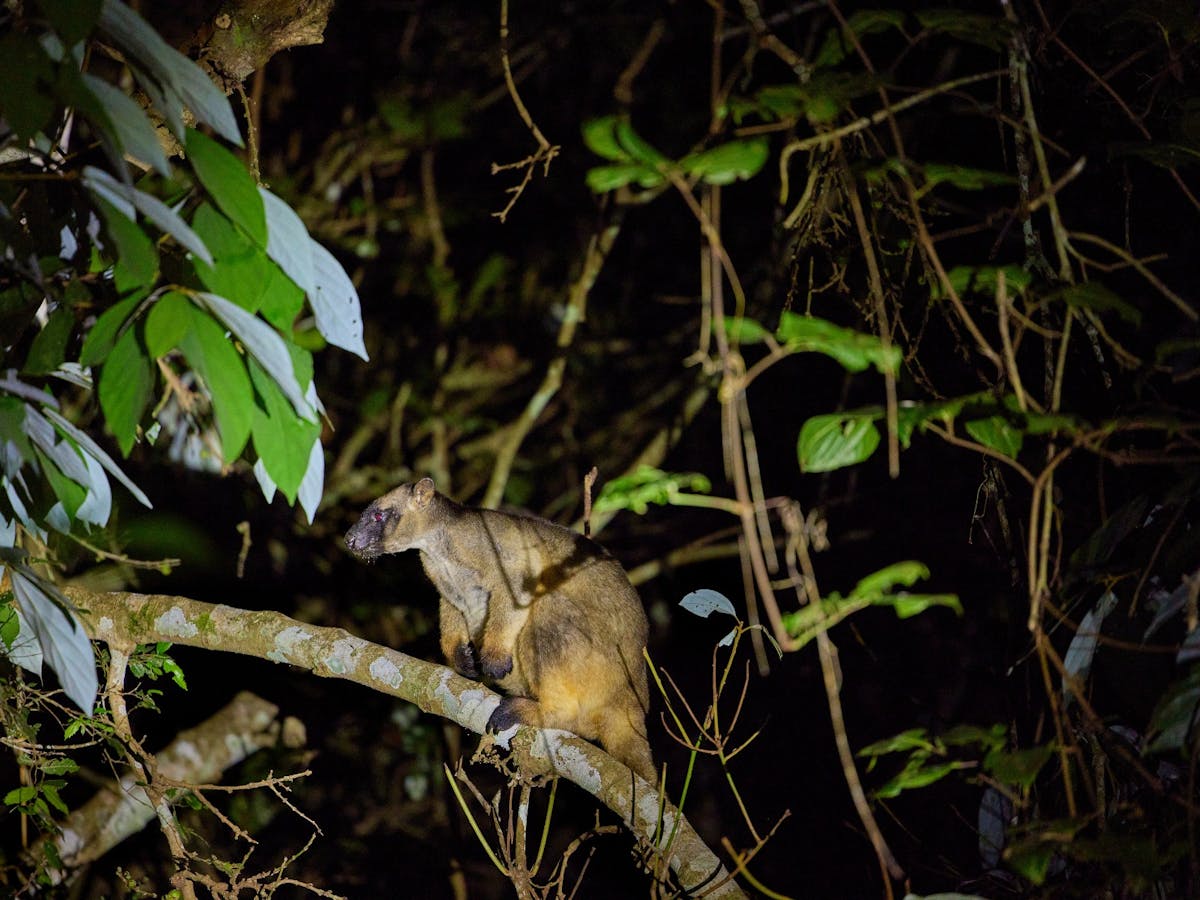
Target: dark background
374, 98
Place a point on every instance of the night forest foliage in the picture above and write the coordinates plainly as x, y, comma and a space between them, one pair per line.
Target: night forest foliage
878, 326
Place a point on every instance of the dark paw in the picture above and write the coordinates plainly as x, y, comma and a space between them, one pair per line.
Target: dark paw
497, 668
504, 717
464, 661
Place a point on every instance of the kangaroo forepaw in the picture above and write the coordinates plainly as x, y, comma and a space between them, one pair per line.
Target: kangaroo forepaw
505, 716
464, 661
496, 668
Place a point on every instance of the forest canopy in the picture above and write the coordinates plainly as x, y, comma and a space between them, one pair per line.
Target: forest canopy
865, 338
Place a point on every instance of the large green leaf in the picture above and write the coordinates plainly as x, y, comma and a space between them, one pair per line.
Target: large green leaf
1095, 296
608, 178
996, 432
288, 243
134, 255
167, 323
837, 440
214, 358
983, 279
906, 573
133, 130
100, 339
264, 345
72, 19
49, 347
27, 75
240, 270
600, 136
126, 388
727, 163
225, 178
126, 198
649, 485
963, 177
987, 31
334, 301
1176, 719
69, 492
837, 44
854, 350
281, 438
1018, 767
64, 643
171, 73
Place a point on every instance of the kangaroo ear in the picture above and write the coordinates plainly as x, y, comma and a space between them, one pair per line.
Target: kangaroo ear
422, 493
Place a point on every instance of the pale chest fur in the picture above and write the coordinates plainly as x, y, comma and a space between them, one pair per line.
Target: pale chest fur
461, 586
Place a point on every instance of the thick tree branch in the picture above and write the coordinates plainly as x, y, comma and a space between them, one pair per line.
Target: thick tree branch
335, 653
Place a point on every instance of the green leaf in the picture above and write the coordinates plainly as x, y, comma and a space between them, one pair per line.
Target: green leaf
27, 75
10, 625
72, 19
334, 302
125, 198
240, 270
281, 438
69, 492
866, 21
1031, 858
638, 149
62, 765
737, 160
705, 602
918, 775
103, 335
215, 360
65, 646
963, 177
1164, 154
608, 178
288, 243
172, 73
649, 485
281, 299
966, 735
134, 255
264, 345
126, 388
1018, 767
133, 130
225, 178
20, 796
49, 347
12, 424
991, 32
912, 416
744, 331
912, 739
854, 350
997, 433
908, 605
600, 136
50, 792
167, 323
906, 573
837, 440
1095, 296
1175, 719
983, 279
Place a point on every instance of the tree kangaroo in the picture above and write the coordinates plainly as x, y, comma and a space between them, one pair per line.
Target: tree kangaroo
543, 613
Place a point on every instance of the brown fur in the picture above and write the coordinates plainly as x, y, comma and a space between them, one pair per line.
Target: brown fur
536, 609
